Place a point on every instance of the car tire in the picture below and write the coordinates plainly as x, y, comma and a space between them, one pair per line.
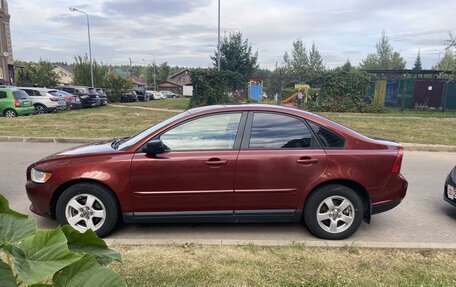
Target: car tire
333, 212
9, 113
40, 109
101, 214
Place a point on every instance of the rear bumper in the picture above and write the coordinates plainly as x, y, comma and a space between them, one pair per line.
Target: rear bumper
25, 111
390, 195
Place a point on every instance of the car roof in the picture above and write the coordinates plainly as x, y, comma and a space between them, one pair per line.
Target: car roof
37, 89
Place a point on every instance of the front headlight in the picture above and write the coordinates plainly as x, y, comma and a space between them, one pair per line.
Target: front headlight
451, 191
39, 176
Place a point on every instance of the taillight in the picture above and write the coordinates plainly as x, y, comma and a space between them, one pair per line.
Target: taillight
54, 99
17, 103
69, 99
398, 162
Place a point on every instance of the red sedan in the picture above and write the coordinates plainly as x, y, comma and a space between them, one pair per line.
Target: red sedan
247, 163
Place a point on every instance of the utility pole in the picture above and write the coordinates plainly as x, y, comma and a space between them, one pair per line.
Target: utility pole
155, 83
130, 66
145, 74
218, 45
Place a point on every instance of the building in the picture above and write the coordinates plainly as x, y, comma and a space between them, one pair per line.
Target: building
65, 74
176, 83
6, 49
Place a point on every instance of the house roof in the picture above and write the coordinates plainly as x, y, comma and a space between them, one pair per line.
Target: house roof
67, 68
120, 72
178, 73
169, 83
137, 81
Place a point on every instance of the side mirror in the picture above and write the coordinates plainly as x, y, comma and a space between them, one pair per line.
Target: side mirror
155, 147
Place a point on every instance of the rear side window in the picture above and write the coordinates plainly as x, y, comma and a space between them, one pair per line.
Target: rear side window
55, 94
327, 138
3, 95
276, 131
68, 90
20, 95
29, 92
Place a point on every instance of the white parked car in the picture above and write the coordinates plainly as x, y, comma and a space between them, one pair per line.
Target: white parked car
43, 100
169, 94
154, 95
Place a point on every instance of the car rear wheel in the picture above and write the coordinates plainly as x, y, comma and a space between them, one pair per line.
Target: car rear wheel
333, 212
10, 113
40, 109
88, 206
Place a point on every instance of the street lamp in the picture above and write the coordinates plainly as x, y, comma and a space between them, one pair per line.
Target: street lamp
218, 43
72, 9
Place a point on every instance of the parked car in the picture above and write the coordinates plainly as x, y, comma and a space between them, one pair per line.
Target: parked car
87, 100
73, 102
130, 97
101, 94
14, 102
143, 96
156, 95
169, 94
449, 193
43, 100
244, 163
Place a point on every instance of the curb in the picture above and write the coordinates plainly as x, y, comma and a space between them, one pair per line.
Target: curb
311, 243
407, 146
48, 140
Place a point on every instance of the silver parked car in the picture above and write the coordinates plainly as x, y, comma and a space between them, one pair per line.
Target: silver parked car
43, 99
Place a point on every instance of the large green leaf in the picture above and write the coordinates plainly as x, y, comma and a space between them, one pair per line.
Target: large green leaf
41, 255
6, 275
87, 272
89, 242
4, 208
13, 228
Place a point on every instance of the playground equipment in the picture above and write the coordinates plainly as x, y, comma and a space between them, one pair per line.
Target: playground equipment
256, 89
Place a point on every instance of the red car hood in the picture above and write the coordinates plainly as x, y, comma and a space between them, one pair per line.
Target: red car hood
92, 148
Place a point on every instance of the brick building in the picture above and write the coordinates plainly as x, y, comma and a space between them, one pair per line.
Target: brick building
6, 50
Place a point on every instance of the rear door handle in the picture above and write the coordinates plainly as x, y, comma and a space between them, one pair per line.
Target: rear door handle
306, 160
215, 162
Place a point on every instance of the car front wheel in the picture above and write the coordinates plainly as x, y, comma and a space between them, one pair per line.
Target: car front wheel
88, 206
333, 212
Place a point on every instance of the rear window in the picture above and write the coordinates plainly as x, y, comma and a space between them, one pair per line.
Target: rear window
20, 95
68, 90
327, 138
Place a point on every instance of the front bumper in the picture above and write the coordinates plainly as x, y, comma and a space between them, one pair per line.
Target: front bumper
40, 195
449, 181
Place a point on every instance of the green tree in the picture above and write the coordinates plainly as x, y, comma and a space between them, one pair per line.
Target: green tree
385, 57
236, 55
298, 63
116, 86
316, 65
82, 72
418, 66
44, 76
448, 61
23, 73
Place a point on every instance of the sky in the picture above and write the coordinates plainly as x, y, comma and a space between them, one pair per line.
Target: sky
184, 32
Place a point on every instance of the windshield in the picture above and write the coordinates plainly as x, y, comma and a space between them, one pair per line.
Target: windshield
137, 138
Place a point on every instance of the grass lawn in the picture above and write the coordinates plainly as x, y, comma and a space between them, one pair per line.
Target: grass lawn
431, 127
294, 265
104, 122
172, 103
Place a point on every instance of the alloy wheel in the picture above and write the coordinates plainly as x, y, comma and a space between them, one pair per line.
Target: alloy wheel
10, 114
335, 214
85, 211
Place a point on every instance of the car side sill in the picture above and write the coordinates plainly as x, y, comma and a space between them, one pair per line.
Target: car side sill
274, 215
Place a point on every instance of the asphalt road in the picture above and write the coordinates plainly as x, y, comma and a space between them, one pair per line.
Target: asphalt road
422, 218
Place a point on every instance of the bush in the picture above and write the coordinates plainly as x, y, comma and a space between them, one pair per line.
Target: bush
116, 87
62, 255
345, 91
211, 87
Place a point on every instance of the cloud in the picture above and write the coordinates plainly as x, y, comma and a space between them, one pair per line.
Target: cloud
185, 32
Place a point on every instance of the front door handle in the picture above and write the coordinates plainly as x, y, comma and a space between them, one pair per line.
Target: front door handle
215, 162
306, 160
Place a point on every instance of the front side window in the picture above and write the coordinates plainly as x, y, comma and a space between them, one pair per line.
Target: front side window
215, 132
276, 131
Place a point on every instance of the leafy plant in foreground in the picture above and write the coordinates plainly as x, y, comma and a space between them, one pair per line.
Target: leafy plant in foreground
51, 257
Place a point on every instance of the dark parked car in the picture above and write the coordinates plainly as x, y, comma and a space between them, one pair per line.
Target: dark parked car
247, 163
101, 94
72, 102
87, 100
130, 97
143, 96
449, 193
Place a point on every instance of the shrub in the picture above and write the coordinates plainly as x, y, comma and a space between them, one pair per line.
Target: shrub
116, 87
62, 256
345, 91
211, 87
